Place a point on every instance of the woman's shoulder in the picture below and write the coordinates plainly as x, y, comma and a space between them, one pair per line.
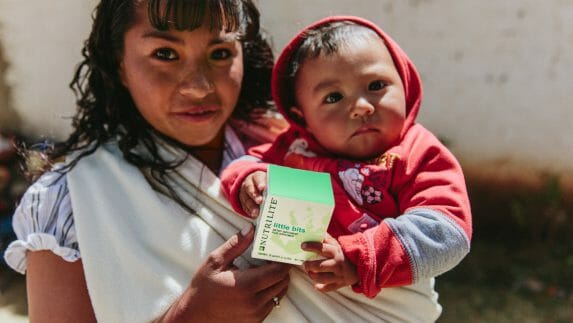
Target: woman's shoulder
50, 180
49, 190
44, 220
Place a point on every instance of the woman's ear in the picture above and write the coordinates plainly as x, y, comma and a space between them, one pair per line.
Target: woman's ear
122, 73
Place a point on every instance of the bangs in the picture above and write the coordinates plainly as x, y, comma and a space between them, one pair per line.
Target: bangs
190, 14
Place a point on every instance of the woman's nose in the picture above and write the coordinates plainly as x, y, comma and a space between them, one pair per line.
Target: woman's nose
361, 108
196, 84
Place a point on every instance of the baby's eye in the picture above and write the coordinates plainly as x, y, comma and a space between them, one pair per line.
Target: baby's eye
221, 54
333, 98
376, 86
165, 54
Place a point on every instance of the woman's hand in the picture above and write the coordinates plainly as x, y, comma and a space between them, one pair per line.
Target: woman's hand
220, 292
251, 193
335, 271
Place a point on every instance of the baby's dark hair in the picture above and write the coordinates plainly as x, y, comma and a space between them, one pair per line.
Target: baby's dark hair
105, 109
326, 39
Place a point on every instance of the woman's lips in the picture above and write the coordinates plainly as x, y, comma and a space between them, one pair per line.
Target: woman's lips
197, 114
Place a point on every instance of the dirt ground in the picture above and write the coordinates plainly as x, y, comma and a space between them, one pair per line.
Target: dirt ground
520, 268
499, 284
13, 306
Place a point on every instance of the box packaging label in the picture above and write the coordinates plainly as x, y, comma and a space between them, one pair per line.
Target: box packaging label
297, 207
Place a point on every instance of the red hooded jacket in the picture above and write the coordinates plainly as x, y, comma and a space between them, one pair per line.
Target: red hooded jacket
400, 217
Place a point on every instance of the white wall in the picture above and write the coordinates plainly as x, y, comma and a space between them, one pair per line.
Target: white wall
41, 43
498, 75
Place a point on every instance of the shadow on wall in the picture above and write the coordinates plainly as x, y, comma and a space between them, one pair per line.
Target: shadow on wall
9, 119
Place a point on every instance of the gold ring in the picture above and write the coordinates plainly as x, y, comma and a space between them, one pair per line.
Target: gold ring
277, 301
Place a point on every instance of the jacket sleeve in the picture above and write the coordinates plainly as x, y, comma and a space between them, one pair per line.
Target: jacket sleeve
433, 231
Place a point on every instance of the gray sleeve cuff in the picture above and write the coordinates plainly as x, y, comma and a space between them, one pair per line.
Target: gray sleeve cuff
433, 241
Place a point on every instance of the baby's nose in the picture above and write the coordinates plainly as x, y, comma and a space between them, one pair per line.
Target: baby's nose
362, 108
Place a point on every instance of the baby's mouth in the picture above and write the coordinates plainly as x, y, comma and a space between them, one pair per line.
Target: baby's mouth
364, 130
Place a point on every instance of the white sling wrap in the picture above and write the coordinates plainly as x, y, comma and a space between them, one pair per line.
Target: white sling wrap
140, 249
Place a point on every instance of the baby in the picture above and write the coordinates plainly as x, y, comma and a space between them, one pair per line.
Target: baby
351, 96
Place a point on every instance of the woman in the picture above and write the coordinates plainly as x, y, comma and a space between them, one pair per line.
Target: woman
157, 73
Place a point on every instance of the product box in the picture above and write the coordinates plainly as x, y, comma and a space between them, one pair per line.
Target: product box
297, 207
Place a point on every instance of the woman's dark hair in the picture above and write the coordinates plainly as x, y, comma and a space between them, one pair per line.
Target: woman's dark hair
105, 108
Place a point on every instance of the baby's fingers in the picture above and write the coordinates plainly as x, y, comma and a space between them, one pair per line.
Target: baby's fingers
312, 246
250, 189
250, 207
321, 249
326, 281
320, 266
259, 179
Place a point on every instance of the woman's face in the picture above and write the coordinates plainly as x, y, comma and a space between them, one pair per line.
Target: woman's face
184, 83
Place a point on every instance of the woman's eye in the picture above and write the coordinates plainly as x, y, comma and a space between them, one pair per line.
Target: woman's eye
376, 86
221, 54
165, 54
333, 98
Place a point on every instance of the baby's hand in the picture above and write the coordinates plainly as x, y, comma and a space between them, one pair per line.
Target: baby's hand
251, 194
332, 273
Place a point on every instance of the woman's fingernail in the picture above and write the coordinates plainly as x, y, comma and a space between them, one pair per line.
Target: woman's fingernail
246, 229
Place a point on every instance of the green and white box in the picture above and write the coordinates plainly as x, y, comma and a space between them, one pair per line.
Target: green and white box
297, 207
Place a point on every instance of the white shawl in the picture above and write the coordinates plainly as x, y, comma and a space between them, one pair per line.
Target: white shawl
140, 249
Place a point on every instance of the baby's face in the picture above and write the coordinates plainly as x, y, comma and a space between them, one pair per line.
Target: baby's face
352, 101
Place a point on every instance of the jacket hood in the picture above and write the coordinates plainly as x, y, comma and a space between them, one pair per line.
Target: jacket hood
406, 69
